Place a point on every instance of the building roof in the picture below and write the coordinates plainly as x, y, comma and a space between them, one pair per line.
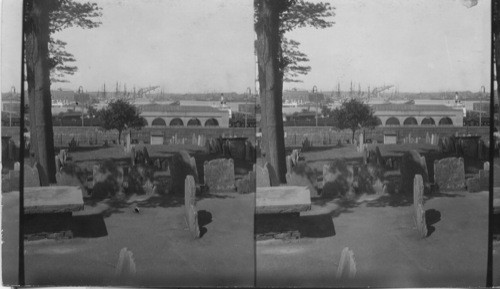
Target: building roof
410, 107
176, 108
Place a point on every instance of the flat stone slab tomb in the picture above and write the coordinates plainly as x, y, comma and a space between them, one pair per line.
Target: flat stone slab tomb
278, 210
48, 211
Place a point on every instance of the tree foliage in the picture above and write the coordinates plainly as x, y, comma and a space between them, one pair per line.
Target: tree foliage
66, 14
299, 14
352, 114
120, 115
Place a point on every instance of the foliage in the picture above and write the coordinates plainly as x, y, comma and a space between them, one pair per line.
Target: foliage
65, 14
299, 14
352, 114
120, 115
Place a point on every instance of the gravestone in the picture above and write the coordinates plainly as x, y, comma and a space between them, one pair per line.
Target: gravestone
427, 138
295, 157
13, 182
219, 175
473, 184
289, 164
17, 166
132, 156
449, 174
379, 158
180, 167
128, 142
262, 176
247, 184
347, 265
418, 205
59, 164
125, 269
441, 148
361, 143
191, 214
95, 174
31, 176
194, 170
63, 156
486, 166
412, 163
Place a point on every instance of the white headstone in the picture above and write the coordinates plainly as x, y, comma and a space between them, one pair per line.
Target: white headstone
17, 166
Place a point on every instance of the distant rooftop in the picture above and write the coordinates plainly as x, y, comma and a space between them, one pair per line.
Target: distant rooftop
176, 108
410, 107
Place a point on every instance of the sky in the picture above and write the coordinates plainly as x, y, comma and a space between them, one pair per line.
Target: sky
417, 45
180, 45
207, 46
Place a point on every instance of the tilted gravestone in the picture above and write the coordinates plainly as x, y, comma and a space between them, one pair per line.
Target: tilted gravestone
262, 176
63, 156
191, 213
347, 265
412, 163
418, 205
449, 174
219, 175
180, 167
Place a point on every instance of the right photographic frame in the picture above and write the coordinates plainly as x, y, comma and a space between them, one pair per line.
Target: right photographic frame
377, 143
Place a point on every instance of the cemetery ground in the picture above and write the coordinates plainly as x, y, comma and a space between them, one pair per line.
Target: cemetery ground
380, 230
164, 250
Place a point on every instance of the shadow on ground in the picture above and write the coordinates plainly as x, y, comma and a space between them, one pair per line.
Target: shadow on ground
432, 216
317, 226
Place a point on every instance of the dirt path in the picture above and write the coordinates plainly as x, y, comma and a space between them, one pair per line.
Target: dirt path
164, 252
386, 247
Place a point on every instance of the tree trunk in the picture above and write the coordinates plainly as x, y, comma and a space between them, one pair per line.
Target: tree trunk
38, 73
119, 136
270, 84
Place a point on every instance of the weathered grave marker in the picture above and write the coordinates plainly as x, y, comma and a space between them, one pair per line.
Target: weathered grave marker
449, 174
17, 166
418, 205
191, 213
125, 268
486, 166
31, 176
262, 176
219, 175
347, 265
